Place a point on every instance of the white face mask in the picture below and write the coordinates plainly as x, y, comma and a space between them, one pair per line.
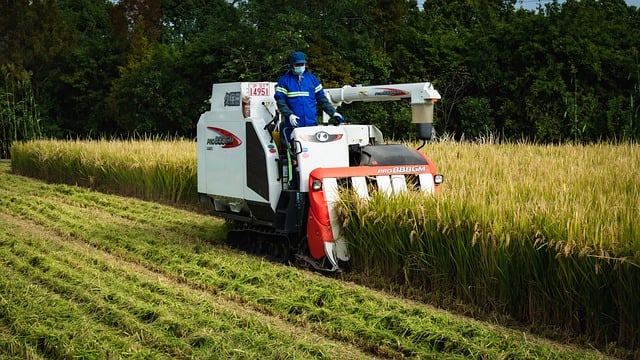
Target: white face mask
298, 70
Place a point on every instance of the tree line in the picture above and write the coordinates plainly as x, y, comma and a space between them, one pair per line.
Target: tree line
90, 68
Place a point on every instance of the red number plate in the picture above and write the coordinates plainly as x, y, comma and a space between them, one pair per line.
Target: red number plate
259, 89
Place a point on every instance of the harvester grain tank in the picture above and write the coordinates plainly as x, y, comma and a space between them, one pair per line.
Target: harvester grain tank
246, 169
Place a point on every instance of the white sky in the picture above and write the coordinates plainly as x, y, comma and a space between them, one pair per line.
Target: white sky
533, 4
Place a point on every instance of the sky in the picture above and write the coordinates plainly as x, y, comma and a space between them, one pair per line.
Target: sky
533, 4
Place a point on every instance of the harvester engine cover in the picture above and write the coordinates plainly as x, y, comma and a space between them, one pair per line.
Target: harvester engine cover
392, 154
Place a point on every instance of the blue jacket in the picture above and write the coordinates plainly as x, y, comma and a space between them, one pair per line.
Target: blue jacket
299, 95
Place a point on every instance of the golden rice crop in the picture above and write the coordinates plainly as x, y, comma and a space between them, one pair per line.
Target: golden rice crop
547, 234
149, 168
589, 195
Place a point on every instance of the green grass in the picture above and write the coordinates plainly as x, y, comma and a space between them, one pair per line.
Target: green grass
91, 275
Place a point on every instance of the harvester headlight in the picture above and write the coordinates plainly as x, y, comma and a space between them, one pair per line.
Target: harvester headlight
438, 179
316, 185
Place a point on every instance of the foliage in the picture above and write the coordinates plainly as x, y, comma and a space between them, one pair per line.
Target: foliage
564, 72
476, 117
34, 34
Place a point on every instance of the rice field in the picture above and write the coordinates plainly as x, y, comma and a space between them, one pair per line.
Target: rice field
150, 169
545, 234
90, 275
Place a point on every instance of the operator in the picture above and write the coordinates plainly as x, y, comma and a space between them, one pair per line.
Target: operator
298, 92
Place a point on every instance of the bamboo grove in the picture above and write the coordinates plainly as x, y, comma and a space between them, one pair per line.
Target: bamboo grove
565, 71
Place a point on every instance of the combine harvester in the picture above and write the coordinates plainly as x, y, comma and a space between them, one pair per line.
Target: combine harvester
245, 168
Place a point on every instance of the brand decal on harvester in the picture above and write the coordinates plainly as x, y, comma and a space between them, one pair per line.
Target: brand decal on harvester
403, 169
224, 138
321, 137
390, 92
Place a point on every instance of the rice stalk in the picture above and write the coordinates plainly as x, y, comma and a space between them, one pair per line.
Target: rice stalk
149, 169
516, 229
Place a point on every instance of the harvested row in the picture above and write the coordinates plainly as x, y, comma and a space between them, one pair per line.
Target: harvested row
84, 281
110, 305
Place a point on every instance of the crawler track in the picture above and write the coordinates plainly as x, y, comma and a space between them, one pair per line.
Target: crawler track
261, 241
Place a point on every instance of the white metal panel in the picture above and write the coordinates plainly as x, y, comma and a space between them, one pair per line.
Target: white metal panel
330, 186
398, 183
360, 186
384, 184
426, 183
357, 134
273, 174
319, 147
221, 171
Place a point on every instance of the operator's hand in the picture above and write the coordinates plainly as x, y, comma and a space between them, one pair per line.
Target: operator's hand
337, 118
293, 120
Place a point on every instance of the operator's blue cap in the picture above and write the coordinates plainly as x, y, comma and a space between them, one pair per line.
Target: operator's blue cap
298, 57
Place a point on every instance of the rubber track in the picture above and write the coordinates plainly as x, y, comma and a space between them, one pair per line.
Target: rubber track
260, 241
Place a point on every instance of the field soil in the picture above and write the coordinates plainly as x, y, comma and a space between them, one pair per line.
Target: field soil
89, 275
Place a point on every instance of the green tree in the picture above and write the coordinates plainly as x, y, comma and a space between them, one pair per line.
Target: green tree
127, 14
476, 117
33, 35
521, 50
586, 46
559, 73
75, 99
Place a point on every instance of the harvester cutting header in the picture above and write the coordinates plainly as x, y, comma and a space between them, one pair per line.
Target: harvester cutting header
279, 192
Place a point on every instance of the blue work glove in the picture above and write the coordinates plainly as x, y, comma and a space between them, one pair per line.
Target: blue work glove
337, 118
293, 120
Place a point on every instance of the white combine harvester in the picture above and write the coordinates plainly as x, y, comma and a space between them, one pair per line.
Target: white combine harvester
245, 168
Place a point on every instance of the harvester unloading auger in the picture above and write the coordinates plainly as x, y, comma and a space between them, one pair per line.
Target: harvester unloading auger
245, 168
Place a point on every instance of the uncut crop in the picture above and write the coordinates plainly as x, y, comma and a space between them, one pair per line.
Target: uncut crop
149, 168
547, 234
89, 275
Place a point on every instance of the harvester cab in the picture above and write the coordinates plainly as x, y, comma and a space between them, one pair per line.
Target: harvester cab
246, 168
